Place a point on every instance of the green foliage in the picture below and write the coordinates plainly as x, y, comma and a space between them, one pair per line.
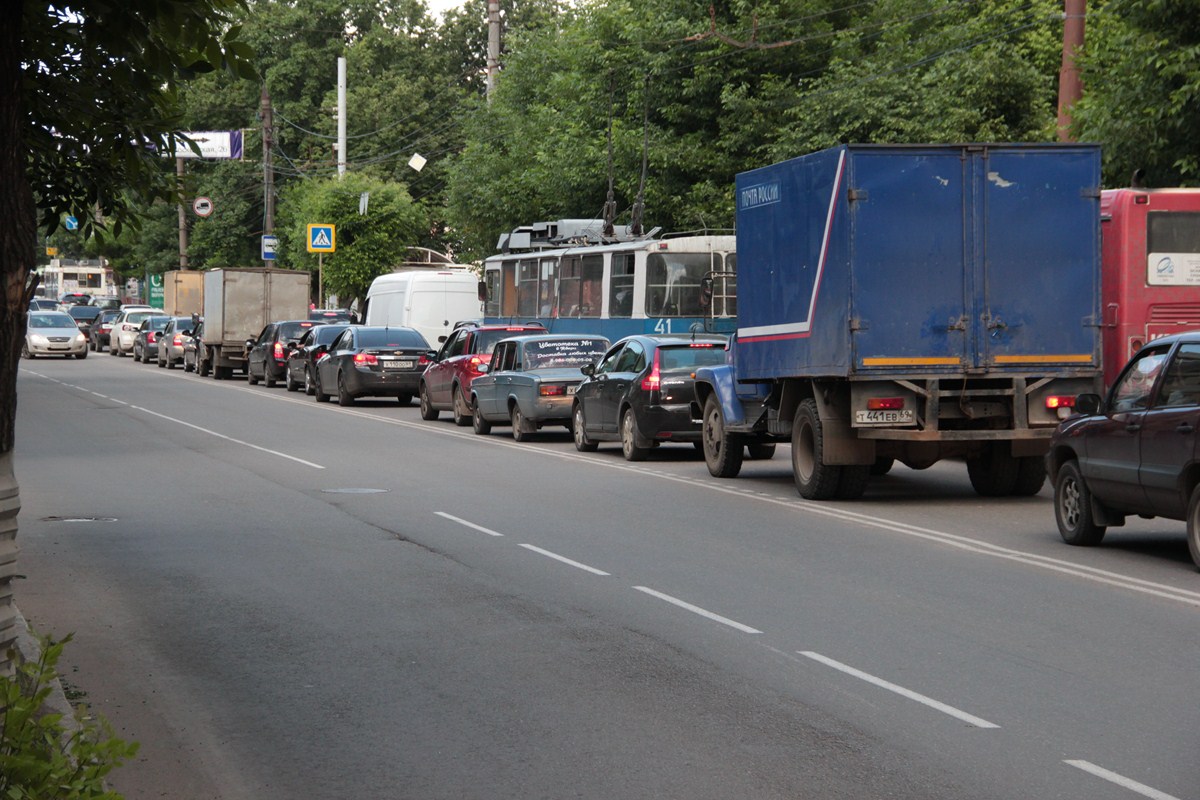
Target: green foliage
40, 759
1141, 74
367, 246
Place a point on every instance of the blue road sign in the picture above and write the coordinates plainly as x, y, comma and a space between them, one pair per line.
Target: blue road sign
321, 238
269, 245
71, 224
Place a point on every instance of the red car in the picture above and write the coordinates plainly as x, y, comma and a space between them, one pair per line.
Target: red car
446, 383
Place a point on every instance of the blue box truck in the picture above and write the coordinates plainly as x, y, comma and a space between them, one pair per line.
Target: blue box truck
909, 303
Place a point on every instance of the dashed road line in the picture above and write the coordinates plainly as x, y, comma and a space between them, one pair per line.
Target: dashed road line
1120, 780
697, 610
464, 523
970, 719
564, 560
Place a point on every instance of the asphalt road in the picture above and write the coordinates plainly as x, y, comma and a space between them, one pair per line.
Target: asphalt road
281, 599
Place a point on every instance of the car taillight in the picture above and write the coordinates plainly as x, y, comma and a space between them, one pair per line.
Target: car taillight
177, 341
653, 381
1060, 401
365, 359
885, 403
280, 355
424, 360
474, 363
151, 337
552, 390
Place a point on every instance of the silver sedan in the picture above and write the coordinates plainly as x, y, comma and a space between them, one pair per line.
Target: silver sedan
531, 381
53, 333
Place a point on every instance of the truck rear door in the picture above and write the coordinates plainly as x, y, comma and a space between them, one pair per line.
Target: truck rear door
908, 244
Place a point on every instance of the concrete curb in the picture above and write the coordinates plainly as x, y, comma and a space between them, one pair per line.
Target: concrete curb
29, 648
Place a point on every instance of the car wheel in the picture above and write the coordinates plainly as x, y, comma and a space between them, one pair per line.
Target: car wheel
113, 349
480, 425
631, 446
522, 429
268, 379
1073, 508
428, 412
761, 451
92, 346
814, 480
251, 378
161, 363
187, 367
25, 352
289, 382
309, 383
170, 363
317, 393
722, 450
462, 409
1193, 526
582, 443
81, 355
344, 396
404, 399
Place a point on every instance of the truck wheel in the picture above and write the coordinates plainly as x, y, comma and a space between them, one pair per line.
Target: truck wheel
582, 442
1073, 509
344, 396
428, 412
480, 425
722, 451
631, 446
203, 368
882, 466
223, 373
761, 451
1193, 526
1031, 476
814, 480
994, 473
853, 481
462, 409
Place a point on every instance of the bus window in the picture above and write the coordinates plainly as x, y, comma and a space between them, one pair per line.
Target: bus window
492, 280
580, 286
1171, 237
546, 287
620, 298
527, 288
673, 283
508, 292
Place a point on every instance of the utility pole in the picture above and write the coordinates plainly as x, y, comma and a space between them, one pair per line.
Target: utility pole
268, 133
1070, 89
493, 51
183, 236
341, 101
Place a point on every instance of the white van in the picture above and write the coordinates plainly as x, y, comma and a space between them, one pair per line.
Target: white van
431, 301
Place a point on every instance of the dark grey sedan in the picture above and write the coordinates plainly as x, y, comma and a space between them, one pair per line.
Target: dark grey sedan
530, 381
377, 361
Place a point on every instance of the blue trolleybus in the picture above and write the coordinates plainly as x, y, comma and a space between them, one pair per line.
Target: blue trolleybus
572, 281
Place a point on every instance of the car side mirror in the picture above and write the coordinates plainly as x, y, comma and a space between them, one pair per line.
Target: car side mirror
249, 343
432, 355
588, 369
482, 368
1087, 403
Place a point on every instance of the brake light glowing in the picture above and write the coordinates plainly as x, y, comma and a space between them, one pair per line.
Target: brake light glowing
653, 381
885, 403
151, 337
177, 341
365, 360
1060, 401
699, 344
475, 362
278, 351
424, 360
552, 390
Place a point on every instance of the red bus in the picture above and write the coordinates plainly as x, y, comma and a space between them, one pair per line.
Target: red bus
1150, 282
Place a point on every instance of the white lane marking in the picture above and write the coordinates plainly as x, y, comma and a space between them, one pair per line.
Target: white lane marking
1121, 780
970, 719
228, 438
564, 560
479, 528
697, 610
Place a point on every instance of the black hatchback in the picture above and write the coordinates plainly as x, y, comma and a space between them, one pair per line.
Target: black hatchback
266, 356
1134, 450
641, 392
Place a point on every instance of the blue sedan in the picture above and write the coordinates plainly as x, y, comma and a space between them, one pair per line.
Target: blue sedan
530, 381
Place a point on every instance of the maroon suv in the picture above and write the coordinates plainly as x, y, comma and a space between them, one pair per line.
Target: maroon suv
446, 384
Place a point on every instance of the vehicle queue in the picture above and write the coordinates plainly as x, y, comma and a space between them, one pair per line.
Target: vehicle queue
1132, 451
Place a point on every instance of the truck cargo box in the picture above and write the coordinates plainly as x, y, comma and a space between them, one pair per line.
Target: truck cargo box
183, 292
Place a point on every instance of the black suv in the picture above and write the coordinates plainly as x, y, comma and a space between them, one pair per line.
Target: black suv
266, 356
1134, 450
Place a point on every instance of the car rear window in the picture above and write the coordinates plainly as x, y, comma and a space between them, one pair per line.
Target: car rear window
160, 323
292, 331
325, 334
688, 357
559, 353
84, 312
391, 337
485, 341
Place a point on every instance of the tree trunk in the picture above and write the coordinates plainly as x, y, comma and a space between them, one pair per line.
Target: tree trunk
18, 242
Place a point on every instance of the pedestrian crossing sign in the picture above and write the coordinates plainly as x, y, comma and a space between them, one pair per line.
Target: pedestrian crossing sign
321, 238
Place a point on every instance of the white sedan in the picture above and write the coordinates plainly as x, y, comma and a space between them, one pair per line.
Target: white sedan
53, 333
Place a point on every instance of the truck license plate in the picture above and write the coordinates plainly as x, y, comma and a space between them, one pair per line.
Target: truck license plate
902, 417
